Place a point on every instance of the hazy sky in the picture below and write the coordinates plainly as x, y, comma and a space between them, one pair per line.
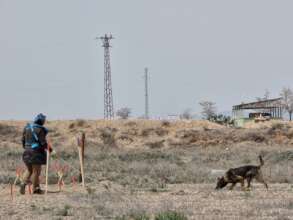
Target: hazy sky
224, 51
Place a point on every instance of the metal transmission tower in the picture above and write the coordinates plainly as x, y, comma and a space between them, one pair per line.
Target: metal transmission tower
108, 96
146, 78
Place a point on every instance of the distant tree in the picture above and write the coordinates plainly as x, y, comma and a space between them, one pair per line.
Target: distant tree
287, 100
222, 119
209, 109
124, 113
186, 114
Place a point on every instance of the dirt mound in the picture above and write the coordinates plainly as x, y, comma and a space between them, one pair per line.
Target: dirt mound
154, 134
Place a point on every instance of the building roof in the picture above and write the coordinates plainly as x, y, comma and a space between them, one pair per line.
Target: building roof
264, 104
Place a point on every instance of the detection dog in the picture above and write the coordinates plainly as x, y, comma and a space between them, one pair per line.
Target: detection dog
239, 174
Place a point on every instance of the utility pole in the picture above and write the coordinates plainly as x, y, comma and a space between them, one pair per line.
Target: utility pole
108, 96
146, 78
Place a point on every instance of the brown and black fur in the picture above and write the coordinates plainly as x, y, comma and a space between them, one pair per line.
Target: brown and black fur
239, 174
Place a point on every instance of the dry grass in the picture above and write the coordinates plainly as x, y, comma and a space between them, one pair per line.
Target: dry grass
199, 201
138, 169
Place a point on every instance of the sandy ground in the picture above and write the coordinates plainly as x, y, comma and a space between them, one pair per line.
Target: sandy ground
149, 167
198, 201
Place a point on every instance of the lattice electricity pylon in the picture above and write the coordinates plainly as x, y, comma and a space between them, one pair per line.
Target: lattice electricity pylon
108, 95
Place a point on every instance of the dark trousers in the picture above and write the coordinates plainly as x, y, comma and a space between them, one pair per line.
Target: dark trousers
32, 175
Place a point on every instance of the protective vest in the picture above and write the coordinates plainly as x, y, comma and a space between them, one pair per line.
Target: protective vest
33, 141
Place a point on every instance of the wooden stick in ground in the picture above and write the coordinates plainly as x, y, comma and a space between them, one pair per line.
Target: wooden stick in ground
82, 155
18, 176
30, 189
81, 165
81, 146
15, 181
47, 167
60, 180
11, 191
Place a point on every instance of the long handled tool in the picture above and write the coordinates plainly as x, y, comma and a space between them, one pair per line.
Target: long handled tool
47, 166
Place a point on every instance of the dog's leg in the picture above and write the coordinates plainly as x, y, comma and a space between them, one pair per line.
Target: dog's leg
260, 179
249, 179
241, 180
232, 186
266, 185
242, 184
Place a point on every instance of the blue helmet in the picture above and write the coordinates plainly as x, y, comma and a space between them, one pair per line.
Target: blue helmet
40, 119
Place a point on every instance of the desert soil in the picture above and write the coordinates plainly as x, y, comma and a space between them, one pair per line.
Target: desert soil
197, 201
138, 169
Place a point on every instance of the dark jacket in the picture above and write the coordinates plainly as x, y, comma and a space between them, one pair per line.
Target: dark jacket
34, 134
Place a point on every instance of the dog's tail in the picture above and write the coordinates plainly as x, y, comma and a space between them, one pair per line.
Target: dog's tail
261, 161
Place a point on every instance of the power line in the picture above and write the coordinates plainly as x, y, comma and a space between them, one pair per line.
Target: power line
146, 78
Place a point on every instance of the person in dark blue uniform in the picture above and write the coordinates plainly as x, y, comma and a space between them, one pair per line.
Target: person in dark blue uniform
35, 145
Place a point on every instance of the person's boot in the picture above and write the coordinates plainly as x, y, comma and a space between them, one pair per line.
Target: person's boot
38, 191
22, 188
